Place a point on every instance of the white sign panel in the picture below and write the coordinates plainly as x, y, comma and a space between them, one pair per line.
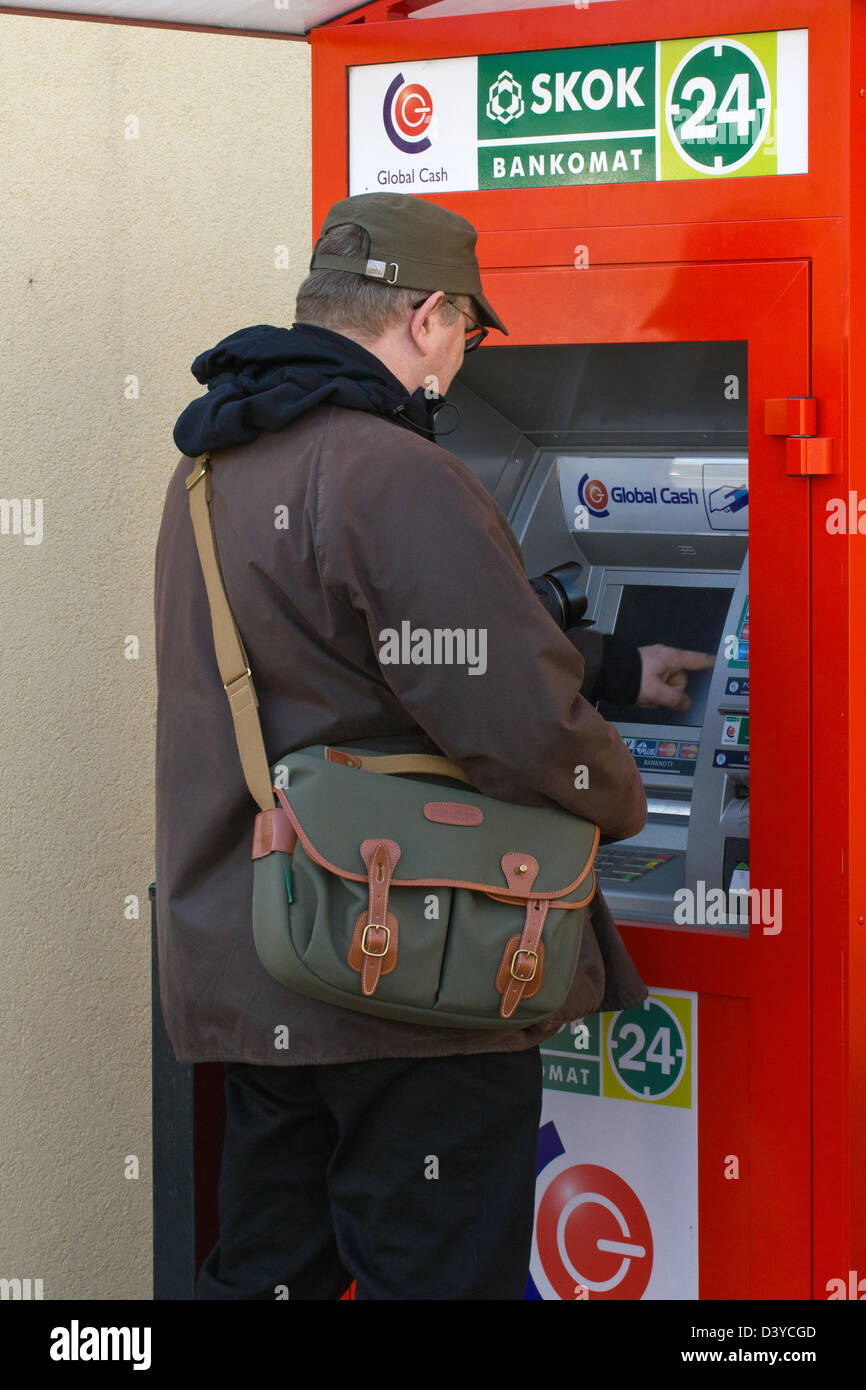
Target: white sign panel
616, 1199
725, 106
411, 127
677, 495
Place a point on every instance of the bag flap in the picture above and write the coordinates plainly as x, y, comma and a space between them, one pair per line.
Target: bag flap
334, 809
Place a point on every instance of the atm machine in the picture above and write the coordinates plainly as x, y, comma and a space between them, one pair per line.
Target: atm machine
628, 462
602, 467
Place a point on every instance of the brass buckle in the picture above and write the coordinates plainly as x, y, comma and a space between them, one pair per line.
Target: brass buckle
524, 979
245, 672
382, 927
191, 482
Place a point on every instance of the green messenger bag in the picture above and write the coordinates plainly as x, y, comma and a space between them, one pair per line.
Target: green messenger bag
386, 884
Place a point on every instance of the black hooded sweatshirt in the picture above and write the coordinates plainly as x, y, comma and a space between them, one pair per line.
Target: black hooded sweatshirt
261, 378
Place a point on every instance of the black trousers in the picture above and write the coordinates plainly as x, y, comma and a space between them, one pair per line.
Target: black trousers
413, 1176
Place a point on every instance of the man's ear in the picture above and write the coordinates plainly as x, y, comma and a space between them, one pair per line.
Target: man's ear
419, 324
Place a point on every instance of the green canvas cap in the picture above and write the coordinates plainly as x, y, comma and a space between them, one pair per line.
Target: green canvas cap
414, 244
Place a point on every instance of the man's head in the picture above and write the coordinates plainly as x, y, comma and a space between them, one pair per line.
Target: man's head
399, 276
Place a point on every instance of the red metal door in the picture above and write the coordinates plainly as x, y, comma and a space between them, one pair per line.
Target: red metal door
754, 1006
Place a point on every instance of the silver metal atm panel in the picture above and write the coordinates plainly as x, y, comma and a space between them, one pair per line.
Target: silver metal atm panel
611, 426
641, 878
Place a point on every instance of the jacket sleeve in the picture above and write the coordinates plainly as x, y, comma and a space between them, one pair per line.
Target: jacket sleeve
612, 666
409, 540
590, 644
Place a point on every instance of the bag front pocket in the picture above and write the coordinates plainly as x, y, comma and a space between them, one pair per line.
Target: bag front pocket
475, 954
322, 923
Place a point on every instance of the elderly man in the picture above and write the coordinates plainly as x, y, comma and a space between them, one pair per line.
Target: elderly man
338, 517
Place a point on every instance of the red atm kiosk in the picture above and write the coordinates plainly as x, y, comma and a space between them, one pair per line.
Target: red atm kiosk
668, 206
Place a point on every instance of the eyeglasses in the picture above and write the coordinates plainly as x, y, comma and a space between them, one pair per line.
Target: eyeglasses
474, 336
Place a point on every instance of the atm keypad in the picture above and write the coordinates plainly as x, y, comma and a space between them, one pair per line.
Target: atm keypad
628, 862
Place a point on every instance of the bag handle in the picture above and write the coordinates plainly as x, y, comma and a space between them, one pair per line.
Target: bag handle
433, 763
234, 667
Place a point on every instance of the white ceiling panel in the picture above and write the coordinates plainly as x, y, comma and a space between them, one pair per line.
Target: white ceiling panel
266, 16
296, 17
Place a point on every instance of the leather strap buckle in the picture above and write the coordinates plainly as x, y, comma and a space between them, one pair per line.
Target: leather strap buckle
364, 953
524, 978
376, 926
514, 980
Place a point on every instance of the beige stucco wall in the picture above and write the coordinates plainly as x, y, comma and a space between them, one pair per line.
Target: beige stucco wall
121, 259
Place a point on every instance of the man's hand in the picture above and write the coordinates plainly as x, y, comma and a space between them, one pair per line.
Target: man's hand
663, 675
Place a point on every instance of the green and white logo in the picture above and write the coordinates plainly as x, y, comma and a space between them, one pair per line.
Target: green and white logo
718, 105
505, 98
647, 1051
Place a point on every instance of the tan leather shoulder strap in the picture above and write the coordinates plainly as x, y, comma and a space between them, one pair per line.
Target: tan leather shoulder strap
231, 657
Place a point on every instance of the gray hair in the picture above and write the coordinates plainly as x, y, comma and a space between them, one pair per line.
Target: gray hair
346, 302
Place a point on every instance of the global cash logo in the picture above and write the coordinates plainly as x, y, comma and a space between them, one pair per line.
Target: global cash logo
593, 495
592, 1239
407, 112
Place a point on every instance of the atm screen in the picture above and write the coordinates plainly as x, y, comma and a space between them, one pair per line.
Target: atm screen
678, 616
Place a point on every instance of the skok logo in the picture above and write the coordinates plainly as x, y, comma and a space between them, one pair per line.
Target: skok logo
505, 98
593, 494
407, 112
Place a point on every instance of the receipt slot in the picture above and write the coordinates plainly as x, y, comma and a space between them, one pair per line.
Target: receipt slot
669, 210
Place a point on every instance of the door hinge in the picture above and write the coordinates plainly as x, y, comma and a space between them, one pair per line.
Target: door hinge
796, 417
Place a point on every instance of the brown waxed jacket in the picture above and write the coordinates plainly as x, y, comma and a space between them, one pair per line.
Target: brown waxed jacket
384, 528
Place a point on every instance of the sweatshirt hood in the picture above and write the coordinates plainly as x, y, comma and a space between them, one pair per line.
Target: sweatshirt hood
263, 377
